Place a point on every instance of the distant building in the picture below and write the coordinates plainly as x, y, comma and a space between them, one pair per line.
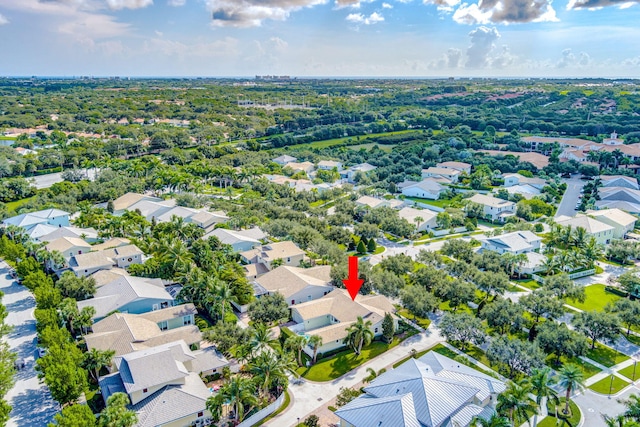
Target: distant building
425, 189
438, 172
287, 251
375, 202
603, 233
54, 217
297, 285
284, 159
619, 181
621, 221
240, 240
518, 242
459, 166
423, 219
328, 165
493, 208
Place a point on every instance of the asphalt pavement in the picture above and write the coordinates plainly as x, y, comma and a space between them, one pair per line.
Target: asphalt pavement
571, 196
30, 398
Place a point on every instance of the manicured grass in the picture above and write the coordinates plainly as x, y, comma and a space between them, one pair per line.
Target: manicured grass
605, 386
386, 147
343, 362
362, 138
596, 298
606, 356
422, 322
630, 372
588, 369
12, 206
552, 421
529, 284
444, 306
441, 203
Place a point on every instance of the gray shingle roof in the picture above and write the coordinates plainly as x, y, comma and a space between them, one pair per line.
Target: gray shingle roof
150, 368
391, 411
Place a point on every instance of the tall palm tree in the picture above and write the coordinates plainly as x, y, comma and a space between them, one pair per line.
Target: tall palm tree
239, 392
542, 382
580, 237
268, 368
571, 378
516, 402
95, 360
261, 338
494, 421
315, 342
619, 421
297, 343
359, 334
592, 251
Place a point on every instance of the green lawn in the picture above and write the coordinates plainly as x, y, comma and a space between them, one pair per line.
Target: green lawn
596, 298
529, 284
588, 369
605, 386
552, 421
606, 356
418, 320
386, 147
441, 203
362, 138
632, 372
12, 206
343, 362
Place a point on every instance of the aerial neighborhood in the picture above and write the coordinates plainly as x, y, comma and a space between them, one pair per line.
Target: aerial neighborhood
188, 259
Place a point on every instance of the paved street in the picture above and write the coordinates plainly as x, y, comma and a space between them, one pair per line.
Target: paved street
570, 199
46, 181
593, 405
30, 399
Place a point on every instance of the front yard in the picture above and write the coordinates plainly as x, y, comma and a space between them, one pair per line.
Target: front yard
597, 298
609, 385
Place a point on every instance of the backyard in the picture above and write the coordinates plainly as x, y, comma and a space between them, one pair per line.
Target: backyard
597, 298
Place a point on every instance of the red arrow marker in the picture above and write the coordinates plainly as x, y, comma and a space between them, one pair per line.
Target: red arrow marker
352, 282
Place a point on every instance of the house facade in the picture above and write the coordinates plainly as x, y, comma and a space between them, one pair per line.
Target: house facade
493, 208
296, 285
603, 233
425, 189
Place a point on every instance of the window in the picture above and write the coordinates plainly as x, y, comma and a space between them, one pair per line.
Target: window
163, 325
130, 259
376, 330
144, 390
293, 302
187, 320
200, 414
155, 307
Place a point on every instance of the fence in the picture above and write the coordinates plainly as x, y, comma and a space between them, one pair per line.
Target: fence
572, 276
263, 413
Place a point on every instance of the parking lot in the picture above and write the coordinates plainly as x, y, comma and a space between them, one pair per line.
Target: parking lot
31, 401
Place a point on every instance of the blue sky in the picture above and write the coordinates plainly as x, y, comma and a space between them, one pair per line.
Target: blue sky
422, 38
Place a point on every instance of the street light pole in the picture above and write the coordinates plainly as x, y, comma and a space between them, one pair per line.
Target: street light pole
611, 385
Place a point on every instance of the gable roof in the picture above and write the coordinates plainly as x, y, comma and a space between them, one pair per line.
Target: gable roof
515, 241
127, 200
284, 159
615, 215
372, 202
230, 237
460, 166
124, 290
619, 193
272, 251
32, 218
290, 280
65, 243
363, 167
430, 185
619, 181
125, 333
591, 225
410, 214
47, 233
434, 170
625, 206
491, 201
111, 243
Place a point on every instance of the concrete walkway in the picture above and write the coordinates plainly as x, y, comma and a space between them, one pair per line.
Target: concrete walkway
309, 396
31, 401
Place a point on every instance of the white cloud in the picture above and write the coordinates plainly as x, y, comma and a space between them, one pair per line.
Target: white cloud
3, 20
387, 6
176, 3
499, 11
359, 18
599, 4
482, 43
128, 4
354, 4
251, 13
569, 59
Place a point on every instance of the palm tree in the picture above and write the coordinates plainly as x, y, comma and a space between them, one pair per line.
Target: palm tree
239, 392
619, 421
494, 421
261, 338
592, 251
633, 407
267, 368
116, 413
95, 360
571, 378
516, 402
542, 382
580, 237
359, 334
315, 342
297, 343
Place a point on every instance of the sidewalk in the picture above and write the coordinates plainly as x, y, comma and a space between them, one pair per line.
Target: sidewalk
309, 396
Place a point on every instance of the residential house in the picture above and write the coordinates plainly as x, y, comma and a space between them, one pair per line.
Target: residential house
536, 159
518, 242
287, 251
284, 159
114, 242
328, 165
129, 294
151, 209
330, 316
459, 166
511, 179
163, 385
630, 207
126, 201
306, 167
240, 240
619, 181
68, 247
603, 233
621, 221
208, 220
493, 208
447, 173
535, 263
27, 221
433, 390
296, 284
351, 173
375, 202
48, 233
85, 264
125, 332
423, 219
622, 194
425, 189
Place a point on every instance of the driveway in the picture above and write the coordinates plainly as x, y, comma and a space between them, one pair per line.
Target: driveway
570, 198
31, 401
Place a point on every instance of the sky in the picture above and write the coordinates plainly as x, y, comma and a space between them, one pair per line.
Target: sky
316, 38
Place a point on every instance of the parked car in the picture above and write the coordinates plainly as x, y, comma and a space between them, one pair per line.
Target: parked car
42, 352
